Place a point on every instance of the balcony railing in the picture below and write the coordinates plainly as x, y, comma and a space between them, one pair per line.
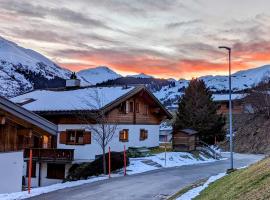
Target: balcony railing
50, 155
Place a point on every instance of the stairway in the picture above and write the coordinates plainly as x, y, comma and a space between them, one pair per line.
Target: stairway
151, 163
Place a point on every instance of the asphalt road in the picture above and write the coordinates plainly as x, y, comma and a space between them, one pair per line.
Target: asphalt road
157, 184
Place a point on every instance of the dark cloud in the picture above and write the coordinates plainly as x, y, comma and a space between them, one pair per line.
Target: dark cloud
30, 10
183, 23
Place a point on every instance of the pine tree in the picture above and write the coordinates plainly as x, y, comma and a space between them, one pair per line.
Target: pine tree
197, 110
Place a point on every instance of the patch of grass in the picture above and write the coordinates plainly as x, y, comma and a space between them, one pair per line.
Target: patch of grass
157, 150
186, 189
252, 183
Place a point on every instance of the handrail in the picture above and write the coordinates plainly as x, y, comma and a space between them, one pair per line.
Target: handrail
50, 154
208, 147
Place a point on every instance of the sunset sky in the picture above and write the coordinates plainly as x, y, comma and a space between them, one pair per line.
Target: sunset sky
164, 38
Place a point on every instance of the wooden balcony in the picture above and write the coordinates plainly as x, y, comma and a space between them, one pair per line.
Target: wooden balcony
50, 155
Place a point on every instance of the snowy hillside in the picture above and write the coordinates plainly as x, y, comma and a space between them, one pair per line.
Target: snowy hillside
23, 69
141, 75
97, 75
241, 80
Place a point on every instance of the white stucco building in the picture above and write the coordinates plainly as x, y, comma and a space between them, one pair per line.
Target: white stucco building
134, 111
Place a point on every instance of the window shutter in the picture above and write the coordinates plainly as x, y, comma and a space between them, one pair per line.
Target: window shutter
63, 137
87, 137
127, 107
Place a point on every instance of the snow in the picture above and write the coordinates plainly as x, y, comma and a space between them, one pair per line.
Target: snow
16, 62
136, 166
51, 188
196, 191
80, 99
97, 75
165, 127
141, 75
173, 159
191, 194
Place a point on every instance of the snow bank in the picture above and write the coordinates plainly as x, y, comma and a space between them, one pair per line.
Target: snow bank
196, 191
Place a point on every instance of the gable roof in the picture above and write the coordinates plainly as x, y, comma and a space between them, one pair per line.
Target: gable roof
189, 131
83, 99
28, 116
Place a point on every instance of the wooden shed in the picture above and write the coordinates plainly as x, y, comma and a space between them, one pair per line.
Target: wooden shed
184, 140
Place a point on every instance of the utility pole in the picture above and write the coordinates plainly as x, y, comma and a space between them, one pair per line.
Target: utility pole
230, 105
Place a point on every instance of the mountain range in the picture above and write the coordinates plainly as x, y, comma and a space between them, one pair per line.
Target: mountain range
22, 70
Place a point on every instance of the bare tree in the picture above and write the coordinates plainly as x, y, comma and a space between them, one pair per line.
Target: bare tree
96, 120
258, 98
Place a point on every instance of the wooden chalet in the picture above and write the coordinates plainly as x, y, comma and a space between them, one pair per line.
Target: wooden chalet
184, 140
135, 110
22, 130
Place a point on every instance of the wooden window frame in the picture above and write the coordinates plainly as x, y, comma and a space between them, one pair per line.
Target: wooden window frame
123, 138
75, 136
54, 174
123, 108
137, 107
131, 106
143, 134
146, 109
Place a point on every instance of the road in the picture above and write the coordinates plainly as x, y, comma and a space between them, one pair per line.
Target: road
157, 184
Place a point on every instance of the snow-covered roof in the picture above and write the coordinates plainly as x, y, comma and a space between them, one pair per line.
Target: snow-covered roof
30, 117
225, 97
90, 98
165, 127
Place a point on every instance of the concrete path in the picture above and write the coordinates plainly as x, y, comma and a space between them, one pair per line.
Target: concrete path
157, 184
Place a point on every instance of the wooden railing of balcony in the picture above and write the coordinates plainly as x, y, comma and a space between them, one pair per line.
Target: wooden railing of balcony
50, 155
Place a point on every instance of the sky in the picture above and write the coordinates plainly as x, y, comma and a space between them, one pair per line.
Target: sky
164, 38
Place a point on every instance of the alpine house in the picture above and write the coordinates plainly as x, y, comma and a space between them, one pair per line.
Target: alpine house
134, 110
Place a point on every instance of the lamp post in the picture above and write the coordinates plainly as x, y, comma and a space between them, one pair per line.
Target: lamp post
230, 104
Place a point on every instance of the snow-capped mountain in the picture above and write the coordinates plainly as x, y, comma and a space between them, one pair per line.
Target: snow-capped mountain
241, 80
23, 69
141, 75
96, 75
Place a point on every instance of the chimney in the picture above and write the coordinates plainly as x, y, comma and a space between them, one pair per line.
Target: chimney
73, 82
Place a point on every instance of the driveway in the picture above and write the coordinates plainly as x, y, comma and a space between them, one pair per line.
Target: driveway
157, 184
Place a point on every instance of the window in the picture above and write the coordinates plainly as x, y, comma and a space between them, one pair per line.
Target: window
137, 107
143, 134
123, 135
145, 110
163, 138
131, 106
33, 173
75, 137
122, 107
55, 171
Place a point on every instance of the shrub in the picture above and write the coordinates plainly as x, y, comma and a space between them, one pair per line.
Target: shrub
85, 170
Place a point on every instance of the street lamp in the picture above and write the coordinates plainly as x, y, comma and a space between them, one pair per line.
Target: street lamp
230, 104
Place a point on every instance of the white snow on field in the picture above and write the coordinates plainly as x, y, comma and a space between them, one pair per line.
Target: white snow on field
137, 166
173, 159
196, 191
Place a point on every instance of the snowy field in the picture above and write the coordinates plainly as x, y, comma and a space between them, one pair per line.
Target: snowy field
137, 165
173, 159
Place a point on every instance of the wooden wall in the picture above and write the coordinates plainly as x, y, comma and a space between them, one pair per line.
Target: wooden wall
183, 142
237, 107
153, 117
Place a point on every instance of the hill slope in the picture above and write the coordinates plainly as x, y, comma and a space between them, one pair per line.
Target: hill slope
252, 183
23, 69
